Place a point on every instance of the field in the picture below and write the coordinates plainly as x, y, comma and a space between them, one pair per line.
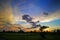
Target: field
29, 36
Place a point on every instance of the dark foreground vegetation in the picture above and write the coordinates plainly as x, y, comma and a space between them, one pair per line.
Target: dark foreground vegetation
30, 36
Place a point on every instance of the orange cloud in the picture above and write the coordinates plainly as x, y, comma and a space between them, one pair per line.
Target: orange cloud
6, 14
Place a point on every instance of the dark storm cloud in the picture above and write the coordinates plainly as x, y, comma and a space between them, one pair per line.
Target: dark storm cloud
29, 19
44, 13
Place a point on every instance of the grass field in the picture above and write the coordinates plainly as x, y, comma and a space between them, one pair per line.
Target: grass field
29, 36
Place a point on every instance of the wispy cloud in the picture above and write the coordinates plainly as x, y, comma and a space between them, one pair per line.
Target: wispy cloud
6, 13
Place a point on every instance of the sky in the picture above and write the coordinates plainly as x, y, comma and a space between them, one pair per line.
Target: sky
46, 11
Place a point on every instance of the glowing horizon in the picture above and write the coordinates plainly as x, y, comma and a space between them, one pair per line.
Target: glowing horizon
11, 12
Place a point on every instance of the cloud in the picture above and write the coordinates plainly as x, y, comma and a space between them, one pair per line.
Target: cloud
47, 18
6, 13
52, 16
10, 27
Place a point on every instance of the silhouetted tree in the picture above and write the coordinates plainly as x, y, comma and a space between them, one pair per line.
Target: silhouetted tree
30, 31
21, 31
3, 30
34, 30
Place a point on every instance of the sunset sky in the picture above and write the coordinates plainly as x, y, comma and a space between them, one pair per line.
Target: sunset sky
46, 11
